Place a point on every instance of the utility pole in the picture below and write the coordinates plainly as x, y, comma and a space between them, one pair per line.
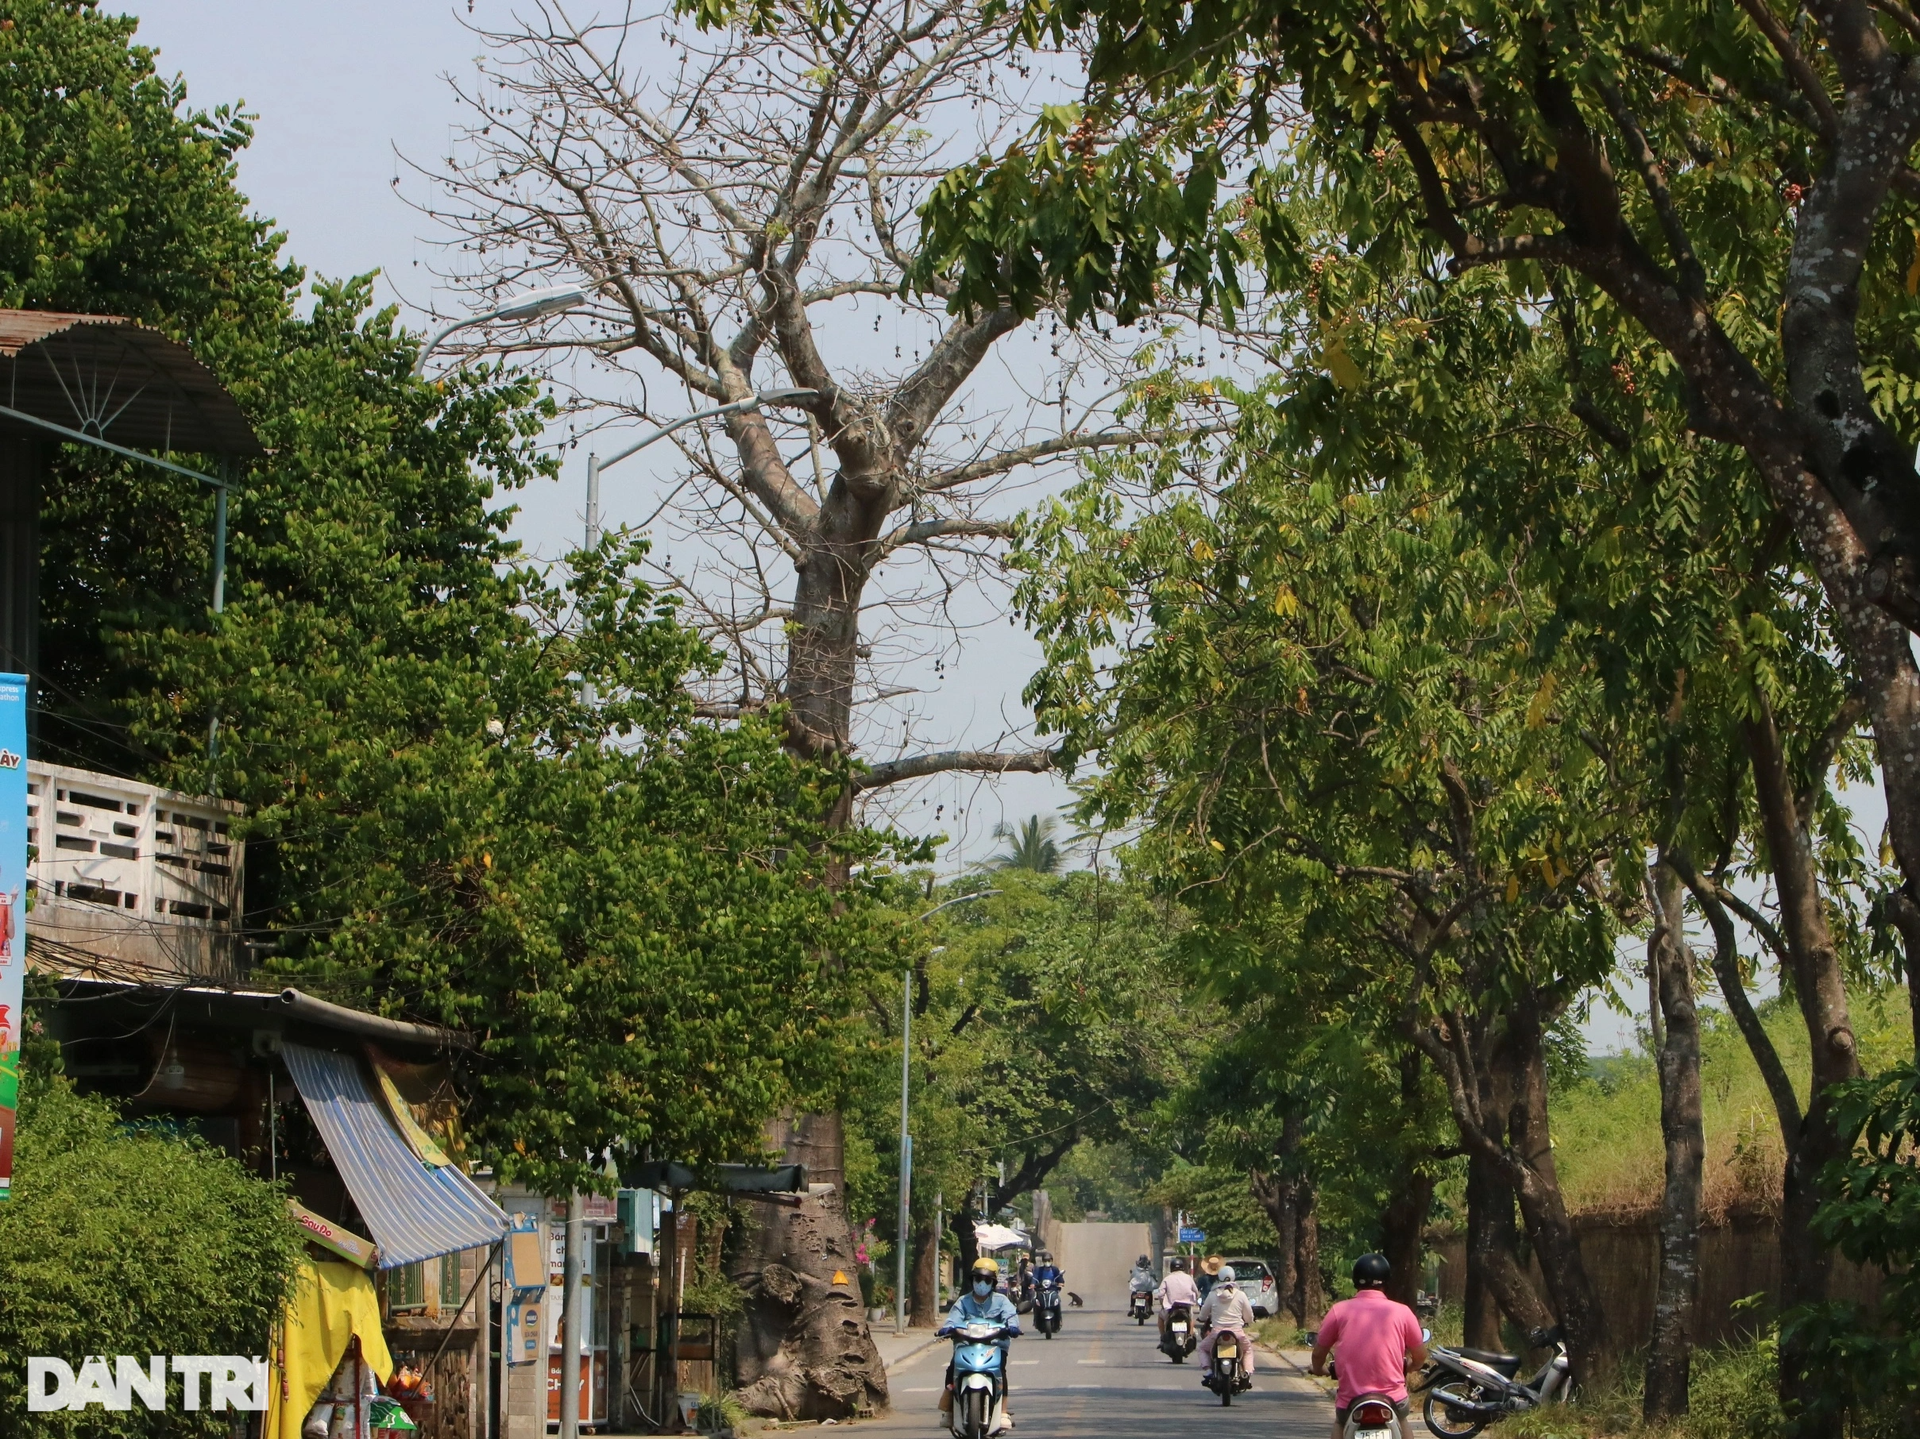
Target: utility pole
939, 1256
570, 1336
906, 1157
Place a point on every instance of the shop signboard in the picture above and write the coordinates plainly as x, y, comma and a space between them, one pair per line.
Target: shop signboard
13, 907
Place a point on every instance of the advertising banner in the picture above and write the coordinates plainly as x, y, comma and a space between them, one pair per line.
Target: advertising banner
13, 906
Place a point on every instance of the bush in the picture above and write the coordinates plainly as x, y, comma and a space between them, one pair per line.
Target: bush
124, 1242
1735, 1393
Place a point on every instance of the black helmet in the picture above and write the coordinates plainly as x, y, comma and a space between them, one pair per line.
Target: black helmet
1179, 1262
1144, 1262
1371, 1271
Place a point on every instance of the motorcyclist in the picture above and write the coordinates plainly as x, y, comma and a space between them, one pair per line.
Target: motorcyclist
1226, 1310
1177, 1288
983, 1303
1379, 1340
1045, 1268
1141, 1280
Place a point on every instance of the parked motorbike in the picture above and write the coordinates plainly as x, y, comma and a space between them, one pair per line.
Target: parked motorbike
979, 1380
1468, 1389
1140, 1306
1372, 1416
1046, 1306
1228, 1376
1180, 1338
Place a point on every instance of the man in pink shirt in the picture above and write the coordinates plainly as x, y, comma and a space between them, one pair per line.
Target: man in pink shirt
1379, 1340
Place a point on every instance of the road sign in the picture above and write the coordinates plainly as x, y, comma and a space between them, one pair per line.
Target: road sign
1193, 1236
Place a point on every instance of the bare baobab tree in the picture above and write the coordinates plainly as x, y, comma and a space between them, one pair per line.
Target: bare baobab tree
743, 207
741, 204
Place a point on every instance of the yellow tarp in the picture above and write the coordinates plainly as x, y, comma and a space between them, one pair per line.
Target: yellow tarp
332, 1303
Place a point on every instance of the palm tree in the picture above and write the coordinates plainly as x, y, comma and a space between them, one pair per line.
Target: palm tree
1032, 846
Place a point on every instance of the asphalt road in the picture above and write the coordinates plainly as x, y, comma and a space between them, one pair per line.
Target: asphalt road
1102, 1378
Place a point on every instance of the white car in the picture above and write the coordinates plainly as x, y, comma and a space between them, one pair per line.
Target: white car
1256, 1282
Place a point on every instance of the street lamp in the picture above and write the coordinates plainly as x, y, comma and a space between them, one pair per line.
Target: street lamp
595, 464
530, 305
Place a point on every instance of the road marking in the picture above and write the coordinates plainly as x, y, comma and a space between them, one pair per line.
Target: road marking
1091, 1361
928, 1389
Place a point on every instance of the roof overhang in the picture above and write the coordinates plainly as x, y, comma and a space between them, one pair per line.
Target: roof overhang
287, 1014
116, 380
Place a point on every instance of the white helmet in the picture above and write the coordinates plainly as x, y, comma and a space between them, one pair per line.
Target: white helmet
1225, 1276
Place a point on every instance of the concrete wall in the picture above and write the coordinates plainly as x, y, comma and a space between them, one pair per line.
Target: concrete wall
1097, 1258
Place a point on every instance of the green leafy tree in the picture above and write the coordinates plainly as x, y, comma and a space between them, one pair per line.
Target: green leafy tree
1048, 1017
126, 1240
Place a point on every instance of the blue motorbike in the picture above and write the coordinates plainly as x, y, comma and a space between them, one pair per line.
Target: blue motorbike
979, 1378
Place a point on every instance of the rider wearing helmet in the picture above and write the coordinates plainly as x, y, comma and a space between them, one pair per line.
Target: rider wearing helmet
1226, 1310
983, 1303
1141, 1280
1045, 1268
1379, 1340
1177, 1288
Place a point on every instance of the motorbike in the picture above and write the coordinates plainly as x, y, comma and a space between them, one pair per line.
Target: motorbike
1180, 1338
1372, 1416
1140, 1306
1046, 1306
1228, 1376
979, 1380
1468, 1389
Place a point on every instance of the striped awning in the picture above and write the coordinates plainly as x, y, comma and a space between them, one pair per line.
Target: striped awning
414, 1210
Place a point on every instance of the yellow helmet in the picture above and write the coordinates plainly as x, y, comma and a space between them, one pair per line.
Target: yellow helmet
988, 1267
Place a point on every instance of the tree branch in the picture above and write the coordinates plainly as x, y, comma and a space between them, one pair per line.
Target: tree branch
1006, 460
1797, 67
1733, 989
1034, 761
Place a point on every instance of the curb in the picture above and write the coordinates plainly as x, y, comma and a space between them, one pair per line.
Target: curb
914, 1353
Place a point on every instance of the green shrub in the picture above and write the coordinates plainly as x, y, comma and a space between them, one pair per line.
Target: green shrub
1735, 1393
123, 1242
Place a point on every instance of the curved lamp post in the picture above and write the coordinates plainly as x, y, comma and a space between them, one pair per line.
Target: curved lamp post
530, 305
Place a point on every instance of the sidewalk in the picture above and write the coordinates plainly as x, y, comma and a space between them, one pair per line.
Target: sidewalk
897, 1349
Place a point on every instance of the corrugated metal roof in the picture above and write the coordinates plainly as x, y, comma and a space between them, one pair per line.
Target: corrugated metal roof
115, 378
413, 1210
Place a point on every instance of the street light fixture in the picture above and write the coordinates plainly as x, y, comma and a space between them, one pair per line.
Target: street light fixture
595, 465
529, 305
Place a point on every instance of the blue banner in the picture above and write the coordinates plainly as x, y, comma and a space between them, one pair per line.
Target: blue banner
14, 835
1193, 1236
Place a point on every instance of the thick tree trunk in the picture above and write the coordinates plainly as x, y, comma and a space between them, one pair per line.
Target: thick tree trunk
1485, 1193
1493, 1238
1403, 1222
803, 1347
924, 1309
1309, 1286
1275, 1191
1403, 1225
1820, 987
1543, 1206
1677, 1292
964, 1222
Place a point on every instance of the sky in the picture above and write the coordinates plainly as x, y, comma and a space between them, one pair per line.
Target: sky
346, 94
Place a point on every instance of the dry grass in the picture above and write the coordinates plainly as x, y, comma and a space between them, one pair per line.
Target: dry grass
1607, 1131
